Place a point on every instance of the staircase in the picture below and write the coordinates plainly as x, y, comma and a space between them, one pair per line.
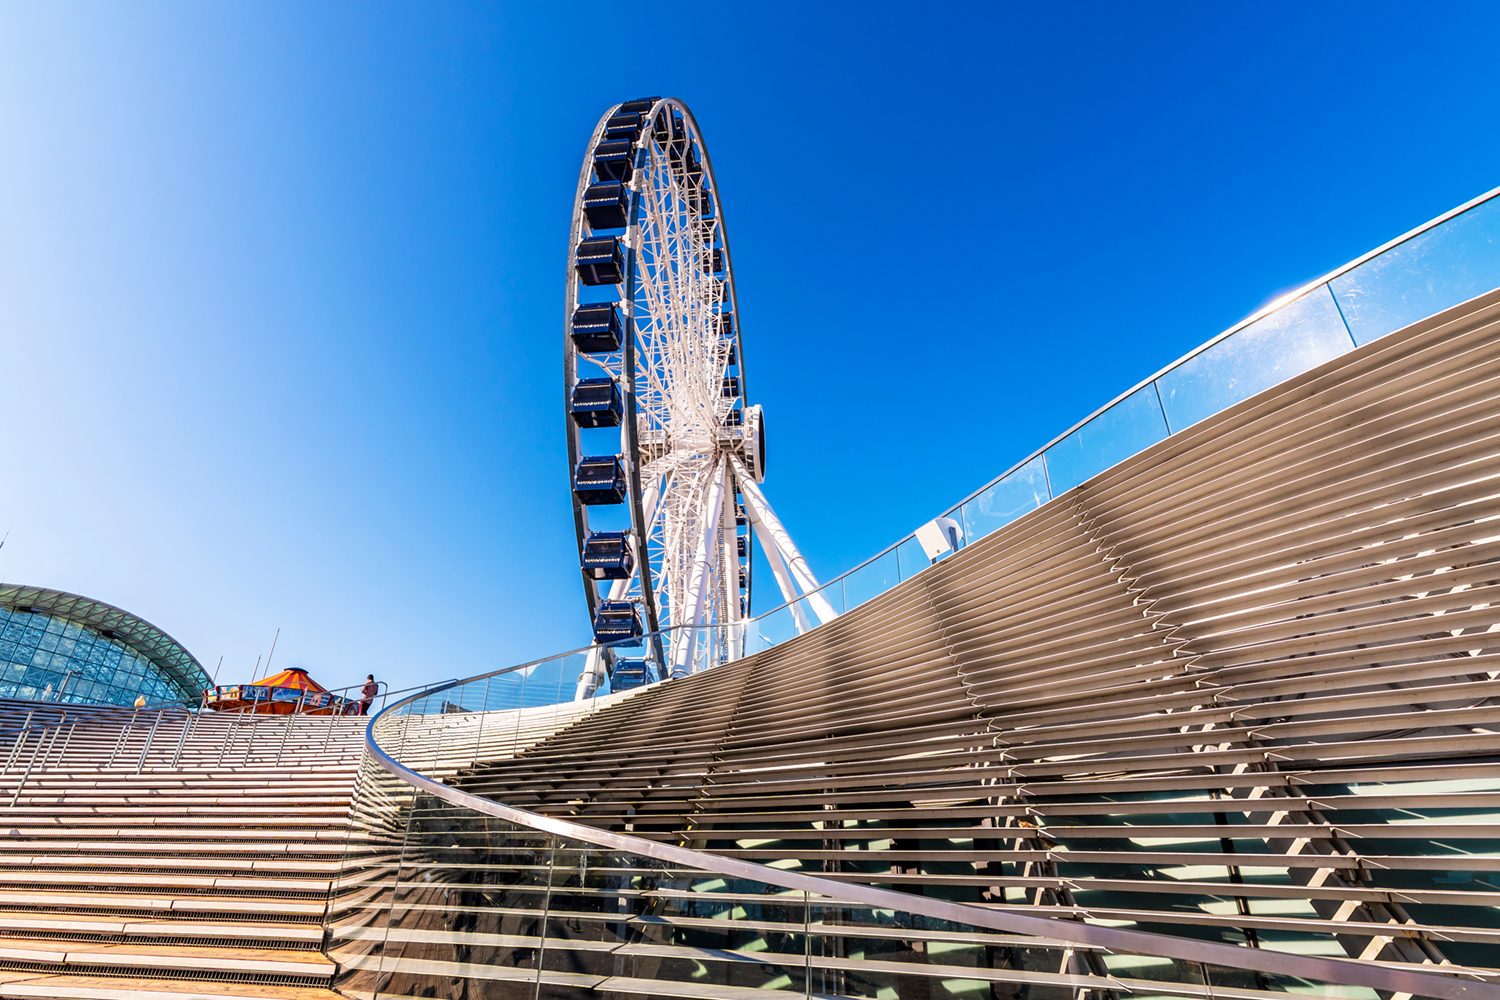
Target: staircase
159, 856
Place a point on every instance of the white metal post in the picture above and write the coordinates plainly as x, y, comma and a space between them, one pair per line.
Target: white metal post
779, 571
733, 630
770, 524
685, 646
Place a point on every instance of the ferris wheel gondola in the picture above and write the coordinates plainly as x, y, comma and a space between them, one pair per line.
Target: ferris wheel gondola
665, 448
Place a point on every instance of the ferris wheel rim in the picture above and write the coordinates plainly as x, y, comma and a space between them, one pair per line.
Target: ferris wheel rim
641, 525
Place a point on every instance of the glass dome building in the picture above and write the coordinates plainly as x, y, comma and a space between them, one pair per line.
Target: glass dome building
62, 647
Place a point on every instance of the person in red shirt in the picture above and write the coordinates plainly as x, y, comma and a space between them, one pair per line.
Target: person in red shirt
367, 694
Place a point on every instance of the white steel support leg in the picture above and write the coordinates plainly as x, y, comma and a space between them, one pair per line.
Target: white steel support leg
733, 630
685, 645
778, 570
755, 502
593, 670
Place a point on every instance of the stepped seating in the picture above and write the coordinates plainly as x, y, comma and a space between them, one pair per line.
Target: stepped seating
161, 854
158, 855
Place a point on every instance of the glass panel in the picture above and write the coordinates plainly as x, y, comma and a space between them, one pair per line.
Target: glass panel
770, 629
1300, 335
1442, 267
830, 597
621, 922
911, 559
1132, 425
871, 580
469, 901
437, 899
1023, 490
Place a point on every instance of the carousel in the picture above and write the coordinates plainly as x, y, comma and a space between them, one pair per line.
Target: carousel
291, 692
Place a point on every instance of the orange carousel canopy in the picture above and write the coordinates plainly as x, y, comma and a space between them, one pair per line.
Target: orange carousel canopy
291, 691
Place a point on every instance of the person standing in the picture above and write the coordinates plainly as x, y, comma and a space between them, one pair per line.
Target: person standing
367, 694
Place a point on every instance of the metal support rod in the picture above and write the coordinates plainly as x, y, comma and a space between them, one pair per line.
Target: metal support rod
29, 764
228, 741
484, 704
124, 733
51, 741
285, 732
146, 747
62, 748
685, 646
21, 735
760, 511
187, 724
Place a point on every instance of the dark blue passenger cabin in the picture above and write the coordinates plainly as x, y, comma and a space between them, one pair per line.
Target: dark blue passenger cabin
640, 104
607, 556
734, 418
599, 480
607, 205
628, 674
732, 386
617, 622
597, 329
600, 261
623, 125
742, 546
596, 402
614, 161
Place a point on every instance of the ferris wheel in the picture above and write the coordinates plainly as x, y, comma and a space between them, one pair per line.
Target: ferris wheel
667, 453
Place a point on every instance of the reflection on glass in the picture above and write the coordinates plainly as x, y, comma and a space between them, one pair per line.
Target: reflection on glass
776, 627
871, 580
910, 558
1300, 335
1133, 424
1023, 490
1442, 267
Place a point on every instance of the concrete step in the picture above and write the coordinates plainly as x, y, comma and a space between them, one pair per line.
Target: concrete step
29, 985
10, 862
224, 844
231, 883
174, 809
229, 845
83, 955
13, 922
169, 821
63, 900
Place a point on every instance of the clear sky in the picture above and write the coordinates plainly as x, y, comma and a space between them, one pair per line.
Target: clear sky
281, 285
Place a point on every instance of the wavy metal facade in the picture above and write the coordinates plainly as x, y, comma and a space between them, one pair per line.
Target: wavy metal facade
1236, 692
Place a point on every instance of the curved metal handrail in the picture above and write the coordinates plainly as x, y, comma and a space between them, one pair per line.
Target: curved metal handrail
1348, 972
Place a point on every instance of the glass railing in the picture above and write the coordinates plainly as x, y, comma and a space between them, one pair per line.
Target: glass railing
444, 893
1450, 260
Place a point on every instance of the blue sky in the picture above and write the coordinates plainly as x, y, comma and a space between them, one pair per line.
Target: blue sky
281, 284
